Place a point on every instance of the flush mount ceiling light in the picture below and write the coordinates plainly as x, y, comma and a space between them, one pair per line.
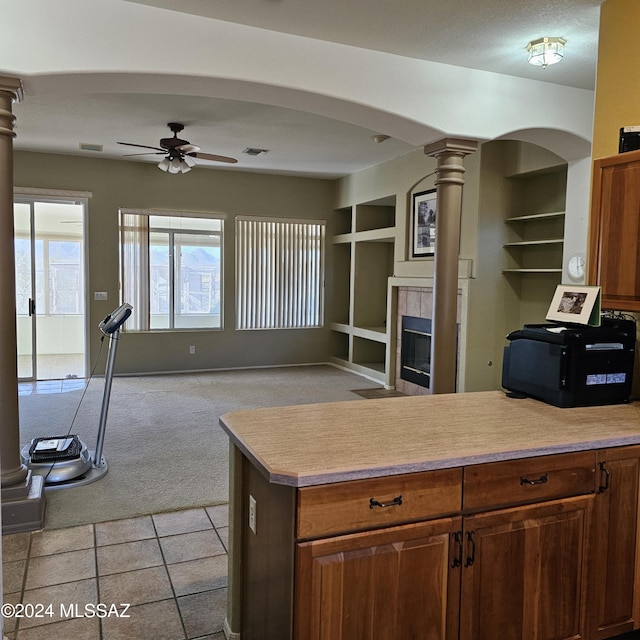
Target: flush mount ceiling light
546, 51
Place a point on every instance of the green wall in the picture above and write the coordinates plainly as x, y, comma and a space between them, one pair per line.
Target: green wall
114, 184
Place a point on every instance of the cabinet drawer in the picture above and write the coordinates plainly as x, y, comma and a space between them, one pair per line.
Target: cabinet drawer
501, 484
367, 504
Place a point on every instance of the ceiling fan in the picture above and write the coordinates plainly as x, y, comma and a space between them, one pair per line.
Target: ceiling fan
178, 154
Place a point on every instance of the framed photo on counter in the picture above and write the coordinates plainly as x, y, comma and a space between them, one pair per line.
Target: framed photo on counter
575, 305
423, 223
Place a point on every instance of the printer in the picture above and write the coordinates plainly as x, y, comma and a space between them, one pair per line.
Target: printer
569, 365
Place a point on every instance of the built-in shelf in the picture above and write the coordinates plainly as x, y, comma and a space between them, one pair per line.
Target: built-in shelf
343, 238
532, 271
534, 239
385, 234
536, 216
529, 243
377, 334
364, 250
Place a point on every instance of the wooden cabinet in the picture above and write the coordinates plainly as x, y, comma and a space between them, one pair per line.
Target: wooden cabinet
524, 572
542, 548
377, 502
614, 231
616, 605
513, 572
509, 574
392, 583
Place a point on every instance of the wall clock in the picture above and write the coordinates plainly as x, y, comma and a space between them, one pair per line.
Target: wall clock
576, 267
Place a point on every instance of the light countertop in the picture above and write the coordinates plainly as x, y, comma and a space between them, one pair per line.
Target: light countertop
306, 445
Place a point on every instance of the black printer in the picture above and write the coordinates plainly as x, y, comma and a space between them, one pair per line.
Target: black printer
570, 365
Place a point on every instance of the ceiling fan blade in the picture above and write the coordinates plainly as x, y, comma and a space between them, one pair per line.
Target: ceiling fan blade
142, 146
212, 157
188, 148
147, 153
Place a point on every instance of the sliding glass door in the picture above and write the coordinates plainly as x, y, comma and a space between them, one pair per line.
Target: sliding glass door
50, 288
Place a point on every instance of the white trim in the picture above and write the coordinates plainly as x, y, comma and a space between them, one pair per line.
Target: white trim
228, 634
174, 212
50, 193
130, 374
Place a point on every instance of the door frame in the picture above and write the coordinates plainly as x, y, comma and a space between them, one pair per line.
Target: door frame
32, 195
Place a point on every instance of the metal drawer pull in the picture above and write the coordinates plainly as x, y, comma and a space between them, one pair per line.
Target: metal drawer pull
541, 480
457, 538
396, 502
607, 477
471, 558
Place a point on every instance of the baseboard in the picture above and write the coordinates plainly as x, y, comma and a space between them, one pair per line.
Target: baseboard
228, 634
135, 374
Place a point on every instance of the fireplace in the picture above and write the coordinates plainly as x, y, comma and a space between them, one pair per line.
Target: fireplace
415, 350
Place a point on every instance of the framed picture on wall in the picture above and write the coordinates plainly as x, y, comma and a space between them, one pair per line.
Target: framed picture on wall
423, 223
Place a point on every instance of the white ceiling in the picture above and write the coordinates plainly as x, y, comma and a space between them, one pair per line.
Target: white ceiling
483, 34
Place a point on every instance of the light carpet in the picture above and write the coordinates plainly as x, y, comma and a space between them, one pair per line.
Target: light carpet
164, 446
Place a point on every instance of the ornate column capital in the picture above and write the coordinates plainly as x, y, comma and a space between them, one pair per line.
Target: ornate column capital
457, 146
10, 91
12, 85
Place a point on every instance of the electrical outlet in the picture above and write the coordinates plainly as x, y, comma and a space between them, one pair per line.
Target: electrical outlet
100, 295
252, 514
192, 349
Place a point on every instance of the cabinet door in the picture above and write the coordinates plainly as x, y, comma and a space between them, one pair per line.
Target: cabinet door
616, 558
386, 584
523, 577
614, 231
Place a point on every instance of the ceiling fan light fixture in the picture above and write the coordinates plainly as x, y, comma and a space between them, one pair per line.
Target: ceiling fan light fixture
190, 162
184, 166
546, 51
164, 164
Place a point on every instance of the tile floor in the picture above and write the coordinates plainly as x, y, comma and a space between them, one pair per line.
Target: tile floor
171, 568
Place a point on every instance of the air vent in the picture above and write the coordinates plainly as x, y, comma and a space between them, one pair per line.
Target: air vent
86, 146
255, 152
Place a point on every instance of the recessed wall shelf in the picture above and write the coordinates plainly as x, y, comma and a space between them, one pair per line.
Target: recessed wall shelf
536, 216
529, 243
534, 239
365, 245
532, 271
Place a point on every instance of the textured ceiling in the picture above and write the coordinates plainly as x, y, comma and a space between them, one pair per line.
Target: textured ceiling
482, 34
489, 35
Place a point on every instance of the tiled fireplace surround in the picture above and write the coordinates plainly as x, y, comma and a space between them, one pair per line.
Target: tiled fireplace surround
417, 302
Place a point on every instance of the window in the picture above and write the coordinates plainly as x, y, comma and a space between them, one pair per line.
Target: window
171, 270
58, 261
279, 273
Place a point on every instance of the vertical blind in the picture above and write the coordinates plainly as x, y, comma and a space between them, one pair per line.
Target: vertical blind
134, 267
279, 273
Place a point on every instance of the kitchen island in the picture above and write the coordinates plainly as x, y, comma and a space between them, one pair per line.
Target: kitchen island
470, 515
